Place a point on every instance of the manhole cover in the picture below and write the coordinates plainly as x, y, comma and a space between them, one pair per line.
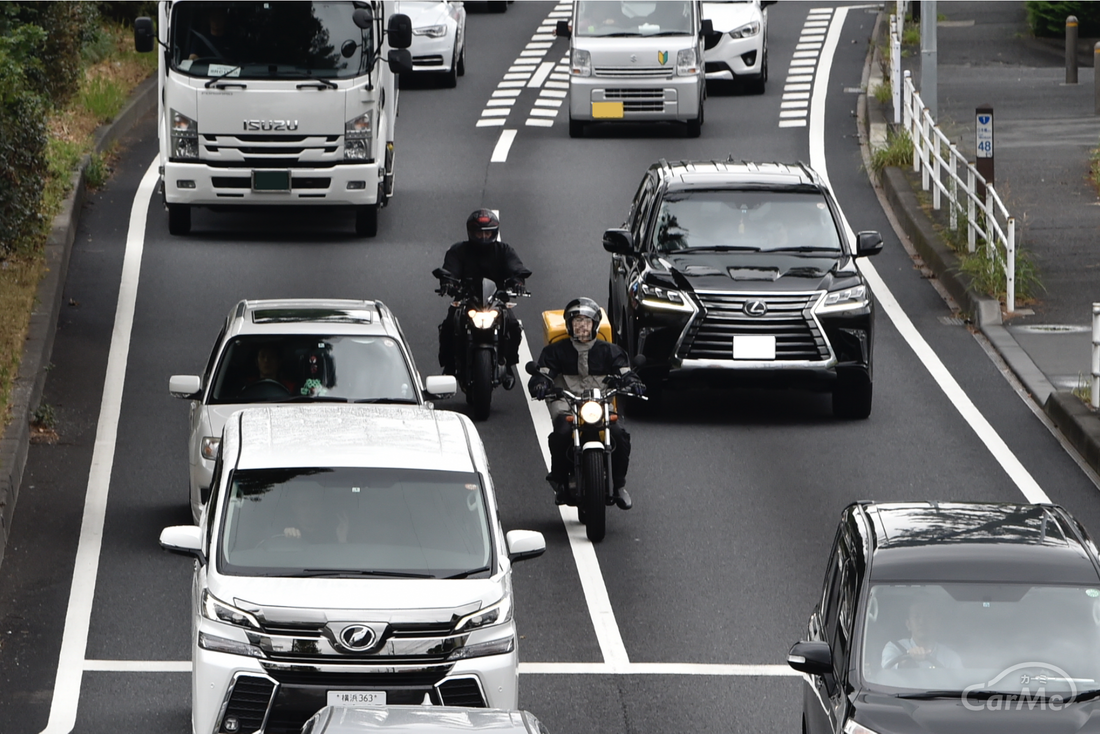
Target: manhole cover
1052, 328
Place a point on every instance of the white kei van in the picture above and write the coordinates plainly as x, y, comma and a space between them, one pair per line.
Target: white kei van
636, 62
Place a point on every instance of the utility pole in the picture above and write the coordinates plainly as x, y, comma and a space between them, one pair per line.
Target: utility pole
928, 61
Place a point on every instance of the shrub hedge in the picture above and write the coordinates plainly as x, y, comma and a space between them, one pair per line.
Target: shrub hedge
1048, 19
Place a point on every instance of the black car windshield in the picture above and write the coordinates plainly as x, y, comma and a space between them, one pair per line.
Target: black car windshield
269, 40
355, 522
628, 18
300, 368
982, 640
758, 220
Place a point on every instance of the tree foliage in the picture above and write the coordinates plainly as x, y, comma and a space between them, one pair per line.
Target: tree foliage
1048, 19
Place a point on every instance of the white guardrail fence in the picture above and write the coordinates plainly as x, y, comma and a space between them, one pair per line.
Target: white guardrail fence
948, 173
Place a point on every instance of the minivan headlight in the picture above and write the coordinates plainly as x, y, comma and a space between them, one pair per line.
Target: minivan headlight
492, 615
580, 63
217, 610
185, 137
845, 299
687, 62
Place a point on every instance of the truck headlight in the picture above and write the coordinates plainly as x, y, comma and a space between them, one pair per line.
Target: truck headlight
580, 63
664, 299
482, 319
357, 138
184, 137
746, 31
845, 299
687, 62
217, 610
591, 412
431, 31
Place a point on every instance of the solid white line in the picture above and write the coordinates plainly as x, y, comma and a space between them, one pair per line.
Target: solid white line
504, 144
656, 669
540, 76
74, 641
584, 552
986, 433
138, 666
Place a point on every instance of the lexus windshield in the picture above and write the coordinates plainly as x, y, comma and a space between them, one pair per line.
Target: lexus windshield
269, 40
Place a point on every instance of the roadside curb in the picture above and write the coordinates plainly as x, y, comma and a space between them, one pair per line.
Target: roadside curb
35, 362
1076, 421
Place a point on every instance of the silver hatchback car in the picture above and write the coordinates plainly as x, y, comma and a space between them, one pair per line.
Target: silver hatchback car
297, 351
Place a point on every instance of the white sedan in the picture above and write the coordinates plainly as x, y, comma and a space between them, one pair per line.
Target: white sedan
439, 38
738, 48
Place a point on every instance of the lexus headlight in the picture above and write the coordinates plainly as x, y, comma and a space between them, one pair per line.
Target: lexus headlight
482, 319
687, 62
490, 616
581, 63
432, 31
591, 412
746, 31
847, 299
217, 610
185, 137
664, 299
357, 138
209, 447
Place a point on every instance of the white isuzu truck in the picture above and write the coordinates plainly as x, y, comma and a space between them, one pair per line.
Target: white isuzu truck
277, 103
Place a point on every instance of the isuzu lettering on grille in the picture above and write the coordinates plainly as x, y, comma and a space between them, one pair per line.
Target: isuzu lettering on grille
270, 124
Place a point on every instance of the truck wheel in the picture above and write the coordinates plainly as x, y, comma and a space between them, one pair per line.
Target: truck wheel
366, 220
179, 219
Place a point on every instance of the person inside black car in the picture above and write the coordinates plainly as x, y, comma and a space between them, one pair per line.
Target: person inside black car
922, 648
576, 364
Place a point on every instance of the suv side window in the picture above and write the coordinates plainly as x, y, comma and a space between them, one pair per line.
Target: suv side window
212, 502
639, 215
208, 373
838, 604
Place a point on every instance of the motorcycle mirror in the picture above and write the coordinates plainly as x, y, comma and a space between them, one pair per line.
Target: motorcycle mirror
532, 368
440, 274
639, 360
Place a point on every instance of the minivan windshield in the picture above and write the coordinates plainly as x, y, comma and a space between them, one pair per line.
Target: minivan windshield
628, 18
355, 523
983, 639
269, 40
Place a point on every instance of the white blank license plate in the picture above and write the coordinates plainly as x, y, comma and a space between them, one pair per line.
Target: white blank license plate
754, 347
356, 698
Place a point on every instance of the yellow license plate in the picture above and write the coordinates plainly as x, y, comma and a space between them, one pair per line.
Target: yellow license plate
607, 110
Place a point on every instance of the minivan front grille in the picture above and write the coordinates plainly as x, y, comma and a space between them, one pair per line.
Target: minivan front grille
633, 72
787, 318
462, 692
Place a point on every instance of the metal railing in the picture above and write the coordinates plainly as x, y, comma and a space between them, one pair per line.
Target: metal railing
946, 171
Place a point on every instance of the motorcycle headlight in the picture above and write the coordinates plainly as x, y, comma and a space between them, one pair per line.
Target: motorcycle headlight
217, 610
209, 447
687, 62
185, 137
580, 64
591, 412
664, 299
482, 319
357, 138
846, 299
746, 31
431, 31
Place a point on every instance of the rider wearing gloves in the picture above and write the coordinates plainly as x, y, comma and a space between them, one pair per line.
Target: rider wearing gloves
483, 255
576, 364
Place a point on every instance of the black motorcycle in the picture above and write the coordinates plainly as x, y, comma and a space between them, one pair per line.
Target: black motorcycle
589, 487
478, 328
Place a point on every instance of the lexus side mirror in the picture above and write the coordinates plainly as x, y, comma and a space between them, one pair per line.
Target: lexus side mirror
618, 241
868, 243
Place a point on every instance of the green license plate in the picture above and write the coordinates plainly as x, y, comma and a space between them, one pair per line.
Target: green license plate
271, 180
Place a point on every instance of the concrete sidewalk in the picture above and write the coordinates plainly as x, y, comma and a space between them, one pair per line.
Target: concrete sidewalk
1044, 132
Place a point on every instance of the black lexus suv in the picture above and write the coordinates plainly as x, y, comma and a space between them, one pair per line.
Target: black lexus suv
736, 273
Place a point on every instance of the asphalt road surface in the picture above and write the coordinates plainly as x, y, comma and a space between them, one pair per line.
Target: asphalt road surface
681, 619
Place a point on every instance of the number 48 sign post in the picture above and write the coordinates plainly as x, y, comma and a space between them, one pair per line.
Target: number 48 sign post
983, 143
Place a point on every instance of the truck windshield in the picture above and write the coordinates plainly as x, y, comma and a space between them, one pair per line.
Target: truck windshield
628, 18
269, 40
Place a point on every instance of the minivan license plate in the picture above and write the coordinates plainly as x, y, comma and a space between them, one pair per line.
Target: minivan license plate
356, 698
754, 347
607, 110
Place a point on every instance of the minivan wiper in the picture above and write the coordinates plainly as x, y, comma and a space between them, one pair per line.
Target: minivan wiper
467, 574
387, 401
924, 695
346, 572
315, 399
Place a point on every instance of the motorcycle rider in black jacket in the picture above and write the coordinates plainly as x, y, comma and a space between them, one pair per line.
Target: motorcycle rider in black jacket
483, 255
578, 363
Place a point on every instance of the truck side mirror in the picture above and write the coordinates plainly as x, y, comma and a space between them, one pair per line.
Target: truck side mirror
561, 29
401, 61
400, 31
144, 35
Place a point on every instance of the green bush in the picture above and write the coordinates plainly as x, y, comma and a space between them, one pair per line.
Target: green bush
68, 26
1048, 19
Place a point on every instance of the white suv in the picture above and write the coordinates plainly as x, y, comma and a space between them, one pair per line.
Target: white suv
350, 555
737, 49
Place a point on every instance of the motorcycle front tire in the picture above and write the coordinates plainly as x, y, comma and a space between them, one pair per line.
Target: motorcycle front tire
481, 384
594, 496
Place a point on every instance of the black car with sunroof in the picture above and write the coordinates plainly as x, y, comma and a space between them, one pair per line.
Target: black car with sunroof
954, 617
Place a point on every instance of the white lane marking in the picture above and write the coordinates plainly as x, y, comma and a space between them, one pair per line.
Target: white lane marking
543, 112
491, 122
500, 103
495, 112
584, 552
539, 122
78, 615
540, 76
505, 93
792, 123
137, 666
555, 103
943, 377
504, 143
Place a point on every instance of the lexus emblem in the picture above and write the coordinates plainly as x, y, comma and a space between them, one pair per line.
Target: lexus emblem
356, 637
755, 308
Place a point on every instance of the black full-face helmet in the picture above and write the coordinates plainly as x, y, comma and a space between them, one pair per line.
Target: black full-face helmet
582, 307
482, 227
